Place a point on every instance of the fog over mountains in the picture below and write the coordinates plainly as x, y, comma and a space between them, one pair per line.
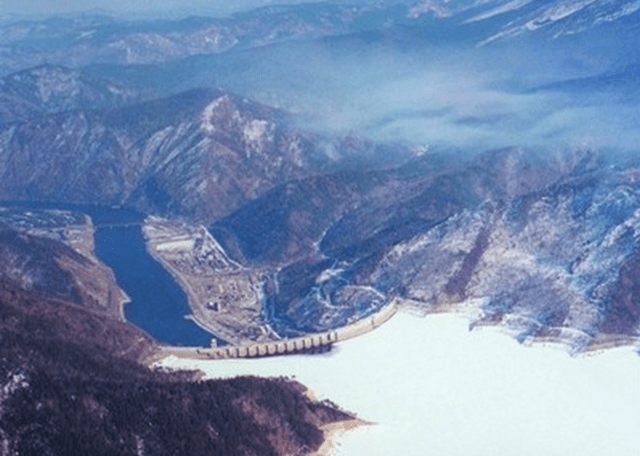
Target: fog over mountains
376, 128
450, 156
380, 136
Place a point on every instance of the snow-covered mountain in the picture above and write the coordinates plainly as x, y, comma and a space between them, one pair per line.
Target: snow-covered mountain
337, 222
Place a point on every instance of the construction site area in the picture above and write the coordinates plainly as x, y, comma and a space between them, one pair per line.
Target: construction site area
225, 298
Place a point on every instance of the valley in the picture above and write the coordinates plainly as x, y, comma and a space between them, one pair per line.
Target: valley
427, 211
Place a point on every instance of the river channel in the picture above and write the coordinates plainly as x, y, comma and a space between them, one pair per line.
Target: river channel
158, 304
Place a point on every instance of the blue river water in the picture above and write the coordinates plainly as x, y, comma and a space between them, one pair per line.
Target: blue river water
158, 304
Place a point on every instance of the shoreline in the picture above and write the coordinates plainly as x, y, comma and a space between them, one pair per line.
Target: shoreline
216, 332
123, 298
426, 381
334, 431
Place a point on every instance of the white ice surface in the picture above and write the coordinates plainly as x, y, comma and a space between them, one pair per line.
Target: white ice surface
436, 388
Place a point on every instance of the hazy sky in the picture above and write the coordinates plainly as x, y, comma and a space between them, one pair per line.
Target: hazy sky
175, 7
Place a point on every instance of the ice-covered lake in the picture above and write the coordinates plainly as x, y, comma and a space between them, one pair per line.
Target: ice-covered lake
433, 387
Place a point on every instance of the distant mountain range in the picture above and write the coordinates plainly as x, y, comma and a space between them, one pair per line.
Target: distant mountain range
200, 153
85, 40
48, 89
538, 232
340, 223
509, 18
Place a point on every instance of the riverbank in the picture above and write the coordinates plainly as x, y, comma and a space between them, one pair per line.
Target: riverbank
157, 304
224, 298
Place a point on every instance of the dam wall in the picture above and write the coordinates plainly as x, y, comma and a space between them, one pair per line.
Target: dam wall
366, 325
304, 344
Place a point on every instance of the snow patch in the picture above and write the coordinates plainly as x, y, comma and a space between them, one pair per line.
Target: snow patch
256, 130
511, 6
209, 114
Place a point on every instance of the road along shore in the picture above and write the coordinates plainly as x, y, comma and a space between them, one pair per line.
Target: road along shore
308, 343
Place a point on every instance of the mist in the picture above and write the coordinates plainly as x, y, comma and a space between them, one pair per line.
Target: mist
449, 95
137, 8
147, 9
407, 86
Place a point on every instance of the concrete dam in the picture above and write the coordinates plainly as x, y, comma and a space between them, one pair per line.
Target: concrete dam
289, 346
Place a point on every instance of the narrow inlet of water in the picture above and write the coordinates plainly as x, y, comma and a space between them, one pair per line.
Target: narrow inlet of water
158, 305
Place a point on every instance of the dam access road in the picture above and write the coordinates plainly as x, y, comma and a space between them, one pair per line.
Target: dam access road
304, 344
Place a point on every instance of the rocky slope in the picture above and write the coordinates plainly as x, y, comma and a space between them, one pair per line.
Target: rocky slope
199, 154
546, 264
544, 246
